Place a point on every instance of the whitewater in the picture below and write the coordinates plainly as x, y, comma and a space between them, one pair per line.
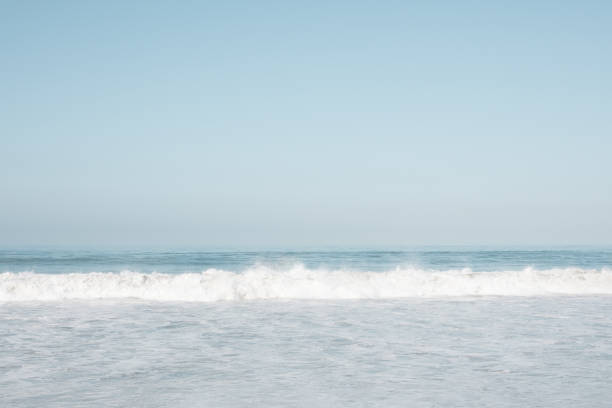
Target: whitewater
299, 282
426, 327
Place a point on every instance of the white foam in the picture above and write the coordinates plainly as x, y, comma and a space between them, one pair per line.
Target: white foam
299, 282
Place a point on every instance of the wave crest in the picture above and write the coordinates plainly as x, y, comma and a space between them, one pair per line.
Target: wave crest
299, 282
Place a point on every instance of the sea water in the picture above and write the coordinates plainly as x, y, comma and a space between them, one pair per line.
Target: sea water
433, 327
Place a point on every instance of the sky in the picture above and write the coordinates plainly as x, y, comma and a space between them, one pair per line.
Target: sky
291, 124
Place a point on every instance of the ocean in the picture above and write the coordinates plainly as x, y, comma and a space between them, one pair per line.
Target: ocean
425, 327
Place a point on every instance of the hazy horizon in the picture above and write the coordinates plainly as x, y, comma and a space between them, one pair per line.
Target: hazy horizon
352, 124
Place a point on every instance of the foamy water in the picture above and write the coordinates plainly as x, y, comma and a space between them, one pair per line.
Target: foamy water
458, 328
299, 282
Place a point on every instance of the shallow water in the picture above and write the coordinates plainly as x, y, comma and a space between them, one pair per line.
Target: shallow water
418, 351
503, 352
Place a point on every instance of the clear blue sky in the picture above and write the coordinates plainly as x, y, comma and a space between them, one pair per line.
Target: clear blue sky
358, 123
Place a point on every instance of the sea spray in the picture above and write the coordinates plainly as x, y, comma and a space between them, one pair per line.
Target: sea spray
299, 282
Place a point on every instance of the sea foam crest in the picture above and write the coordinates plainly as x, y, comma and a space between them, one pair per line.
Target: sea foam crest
299, 282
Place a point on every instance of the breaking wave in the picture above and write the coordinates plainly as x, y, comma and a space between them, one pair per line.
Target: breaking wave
299, 282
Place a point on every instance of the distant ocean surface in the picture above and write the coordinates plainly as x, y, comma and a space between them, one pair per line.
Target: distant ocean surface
428, 327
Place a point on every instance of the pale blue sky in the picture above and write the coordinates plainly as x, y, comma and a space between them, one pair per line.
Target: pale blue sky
305, 123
